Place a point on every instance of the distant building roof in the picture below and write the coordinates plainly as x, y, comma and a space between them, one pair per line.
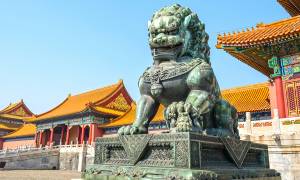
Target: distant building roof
14, 112
250, 98
17, 111
112, 99
129, 117
23, 131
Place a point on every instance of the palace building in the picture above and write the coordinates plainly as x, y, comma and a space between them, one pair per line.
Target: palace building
12, 118
272, 49
76, 119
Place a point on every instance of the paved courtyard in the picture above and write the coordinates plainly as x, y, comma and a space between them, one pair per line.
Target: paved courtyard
39, 175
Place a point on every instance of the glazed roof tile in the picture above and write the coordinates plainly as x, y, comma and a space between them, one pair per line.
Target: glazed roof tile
129, 117
79, 103
9, 126
263, 34
251, 98
25, 130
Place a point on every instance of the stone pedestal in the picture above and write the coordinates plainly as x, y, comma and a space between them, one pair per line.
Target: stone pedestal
179, 156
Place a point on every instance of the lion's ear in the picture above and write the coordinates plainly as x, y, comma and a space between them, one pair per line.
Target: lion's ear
187, 21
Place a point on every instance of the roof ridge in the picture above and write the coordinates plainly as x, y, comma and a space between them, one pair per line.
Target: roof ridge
258, 26
119, 86
281, 21
101, 88
120, 82
10, 106
246, 87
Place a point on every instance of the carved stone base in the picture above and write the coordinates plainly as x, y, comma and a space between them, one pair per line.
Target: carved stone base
178, 156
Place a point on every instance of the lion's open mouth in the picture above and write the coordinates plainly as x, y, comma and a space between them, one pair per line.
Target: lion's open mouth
166, 53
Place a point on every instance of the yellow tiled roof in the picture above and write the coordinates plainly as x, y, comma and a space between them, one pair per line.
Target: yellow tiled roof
9, 107
9, 126
108, 111
251, 98
16, 111
78, 103
129, 117
263, 34
25, 130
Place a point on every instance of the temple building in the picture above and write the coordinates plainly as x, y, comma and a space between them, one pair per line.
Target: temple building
77, 118
11, 117
272, 49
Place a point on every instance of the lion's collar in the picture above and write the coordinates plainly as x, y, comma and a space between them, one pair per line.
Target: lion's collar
156, 74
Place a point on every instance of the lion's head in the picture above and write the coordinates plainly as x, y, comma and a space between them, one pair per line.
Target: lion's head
175, 31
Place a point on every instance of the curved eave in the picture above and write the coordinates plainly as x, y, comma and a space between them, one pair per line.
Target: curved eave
42, 117
24, 131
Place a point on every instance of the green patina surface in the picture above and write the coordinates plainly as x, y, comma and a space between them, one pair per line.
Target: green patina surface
182, 79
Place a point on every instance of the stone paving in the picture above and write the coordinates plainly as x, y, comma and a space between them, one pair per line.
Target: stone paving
39, 175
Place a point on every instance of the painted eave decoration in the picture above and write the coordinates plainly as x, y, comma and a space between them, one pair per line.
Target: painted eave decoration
253, 46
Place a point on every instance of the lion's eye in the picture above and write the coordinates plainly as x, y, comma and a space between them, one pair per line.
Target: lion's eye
174, 32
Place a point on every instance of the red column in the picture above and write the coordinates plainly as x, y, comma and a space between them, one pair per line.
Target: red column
91, 133
280, 97
41, 138
35, 138
82, 134
62, 134
51, 135
1, 143
67, 136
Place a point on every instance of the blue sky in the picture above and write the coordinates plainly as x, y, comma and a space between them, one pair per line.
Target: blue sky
49, 49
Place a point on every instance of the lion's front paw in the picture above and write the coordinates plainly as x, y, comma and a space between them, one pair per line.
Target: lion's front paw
127, 130
184, 123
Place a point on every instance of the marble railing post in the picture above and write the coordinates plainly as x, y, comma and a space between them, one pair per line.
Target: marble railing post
248, 124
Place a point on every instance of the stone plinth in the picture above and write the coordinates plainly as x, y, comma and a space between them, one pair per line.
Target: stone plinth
178, 156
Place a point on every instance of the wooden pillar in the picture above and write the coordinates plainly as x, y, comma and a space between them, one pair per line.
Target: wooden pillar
91, 133
62, 135
1, 143
280, 97
82, 134
67, 136
51, 135
35, 138
41, 138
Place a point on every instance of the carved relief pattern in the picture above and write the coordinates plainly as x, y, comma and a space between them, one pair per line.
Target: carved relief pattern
119, 103
159, 154
134, 145
116, 155
182, 154
153, 75
237, 149
195, 153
